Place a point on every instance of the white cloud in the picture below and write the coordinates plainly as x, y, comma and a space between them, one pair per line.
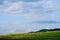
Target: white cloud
15, 27
27, 9
41, 10
24, 27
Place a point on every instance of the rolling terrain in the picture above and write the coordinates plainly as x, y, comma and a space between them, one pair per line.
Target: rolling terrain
52, 35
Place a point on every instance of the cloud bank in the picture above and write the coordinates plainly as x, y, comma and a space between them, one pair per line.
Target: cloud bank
41, 8
34, 9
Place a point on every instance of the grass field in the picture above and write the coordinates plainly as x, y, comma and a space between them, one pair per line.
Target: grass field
54, 35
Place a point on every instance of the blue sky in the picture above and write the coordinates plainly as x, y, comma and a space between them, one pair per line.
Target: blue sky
28, 15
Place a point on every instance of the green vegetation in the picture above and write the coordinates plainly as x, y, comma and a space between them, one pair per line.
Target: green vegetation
53, 35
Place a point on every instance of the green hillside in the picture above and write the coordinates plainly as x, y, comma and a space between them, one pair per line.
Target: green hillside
53, 35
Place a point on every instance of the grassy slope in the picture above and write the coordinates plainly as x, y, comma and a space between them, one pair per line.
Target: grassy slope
55, 35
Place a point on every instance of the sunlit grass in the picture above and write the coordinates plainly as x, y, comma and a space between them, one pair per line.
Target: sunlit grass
54, 35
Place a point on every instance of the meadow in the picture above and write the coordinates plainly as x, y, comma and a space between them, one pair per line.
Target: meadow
53, 35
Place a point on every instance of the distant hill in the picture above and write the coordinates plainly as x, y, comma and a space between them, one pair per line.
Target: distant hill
46, 30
